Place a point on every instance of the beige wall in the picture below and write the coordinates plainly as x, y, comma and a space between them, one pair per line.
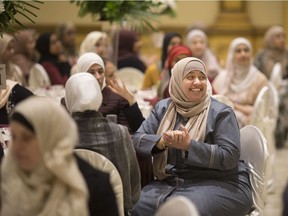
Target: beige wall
262, 13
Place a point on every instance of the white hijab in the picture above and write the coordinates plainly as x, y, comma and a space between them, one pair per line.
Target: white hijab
88, 44
238, 78
82, 92
208, 57
56, 186
87, 60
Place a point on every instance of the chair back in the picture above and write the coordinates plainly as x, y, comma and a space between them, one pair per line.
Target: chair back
264, 117
265, 113
254, 153
276, 76
102, 163
132, 77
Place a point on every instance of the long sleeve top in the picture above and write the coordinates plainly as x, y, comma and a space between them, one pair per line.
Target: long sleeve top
216, 157
112, 140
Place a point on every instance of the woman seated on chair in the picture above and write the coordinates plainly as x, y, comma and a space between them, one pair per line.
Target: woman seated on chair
34, 181
39, 174
241, 81
83, 100
195, 143
127, 111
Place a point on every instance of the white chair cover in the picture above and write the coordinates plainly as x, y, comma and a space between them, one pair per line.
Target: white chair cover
254, 153
102, 163
178, 205
132, 77
223, 99
264, 117
276, 76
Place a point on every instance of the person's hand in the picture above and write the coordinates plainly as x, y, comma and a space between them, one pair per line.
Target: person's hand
120, 89
179, 139
152, 101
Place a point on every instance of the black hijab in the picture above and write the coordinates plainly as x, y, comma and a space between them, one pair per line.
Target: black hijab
168, 37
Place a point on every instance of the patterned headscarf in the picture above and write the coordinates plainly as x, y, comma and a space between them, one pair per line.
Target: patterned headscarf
82, 92
4, 93
56, 186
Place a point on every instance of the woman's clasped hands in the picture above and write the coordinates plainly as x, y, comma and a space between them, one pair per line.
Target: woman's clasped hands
179, 139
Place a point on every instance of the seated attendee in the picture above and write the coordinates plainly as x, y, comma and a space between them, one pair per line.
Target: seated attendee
40, 175
195, 143
132, 113
26, 57
122, 104
152, 72
174, 55
112, 103
13, 72
274, 50
241, 81
11, 95
66, 33
83, 100
129, 46
95, 42
197, 41
51, 58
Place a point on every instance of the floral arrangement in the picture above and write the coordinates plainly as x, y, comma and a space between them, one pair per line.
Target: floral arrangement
138, 13
10, 8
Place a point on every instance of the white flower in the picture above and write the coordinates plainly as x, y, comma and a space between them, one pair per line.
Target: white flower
164, 4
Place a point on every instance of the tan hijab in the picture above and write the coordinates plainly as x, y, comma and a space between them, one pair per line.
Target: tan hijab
274, 54
13, 72
197, 112
56, 186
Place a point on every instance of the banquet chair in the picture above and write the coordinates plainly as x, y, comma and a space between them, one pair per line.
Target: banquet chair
254, 153
224, 99
276, 76
178, 205
264, 117
102, 163
132, 77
